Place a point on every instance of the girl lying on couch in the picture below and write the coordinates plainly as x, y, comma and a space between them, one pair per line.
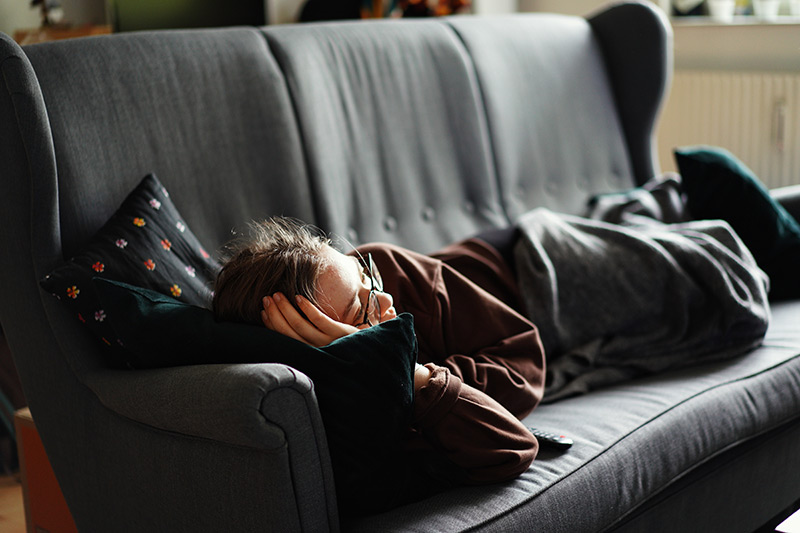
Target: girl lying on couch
480, 362
605, 301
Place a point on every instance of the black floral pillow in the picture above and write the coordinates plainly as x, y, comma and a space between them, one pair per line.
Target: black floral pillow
146, 243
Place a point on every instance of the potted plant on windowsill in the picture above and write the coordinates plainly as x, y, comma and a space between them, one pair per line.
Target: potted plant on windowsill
50, 11
766, 9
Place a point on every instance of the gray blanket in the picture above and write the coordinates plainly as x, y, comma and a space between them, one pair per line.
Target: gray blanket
613, 301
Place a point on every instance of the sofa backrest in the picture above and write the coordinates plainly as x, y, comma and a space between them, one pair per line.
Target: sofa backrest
416, 133
207, 111
420, 133
558, 150
393, 129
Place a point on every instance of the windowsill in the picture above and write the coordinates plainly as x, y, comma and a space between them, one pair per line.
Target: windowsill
744, 20
747, 43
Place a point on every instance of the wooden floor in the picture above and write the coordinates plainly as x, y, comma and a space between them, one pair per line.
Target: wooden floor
12, 511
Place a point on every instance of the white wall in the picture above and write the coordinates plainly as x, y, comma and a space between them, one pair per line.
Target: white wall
283, 11
492, 7
772, 47
572, 7
568, 7
17, 14
699, 44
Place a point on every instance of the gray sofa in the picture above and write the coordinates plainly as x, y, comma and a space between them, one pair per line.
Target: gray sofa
417, 133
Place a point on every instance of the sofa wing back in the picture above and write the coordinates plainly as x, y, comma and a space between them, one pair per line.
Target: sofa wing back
557, 126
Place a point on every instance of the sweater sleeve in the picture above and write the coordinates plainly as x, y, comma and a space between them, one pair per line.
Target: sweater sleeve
481, 441
480, 339
489, 346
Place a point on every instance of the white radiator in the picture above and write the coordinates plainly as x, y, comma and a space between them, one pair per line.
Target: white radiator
754, 115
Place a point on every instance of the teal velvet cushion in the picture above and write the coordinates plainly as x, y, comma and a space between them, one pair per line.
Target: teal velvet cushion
363, 382
719, 186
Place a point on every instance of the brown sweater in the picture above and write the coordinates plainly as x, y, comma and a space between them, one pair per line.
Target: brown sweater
486, 359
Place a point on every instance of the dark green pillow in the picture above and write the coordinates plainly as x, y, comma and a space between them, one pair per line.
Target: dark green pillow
363, 382
719, 186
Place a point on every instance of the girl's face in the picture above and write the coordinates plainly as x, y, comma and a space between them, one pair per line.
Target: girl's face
343, 289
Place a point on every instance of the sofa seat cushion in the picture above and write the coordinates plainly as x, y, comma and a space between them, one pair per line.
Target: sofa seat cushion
631, 442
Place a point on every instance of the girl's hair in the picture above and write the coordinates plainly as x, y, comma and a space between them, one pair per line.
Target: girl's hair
280, 255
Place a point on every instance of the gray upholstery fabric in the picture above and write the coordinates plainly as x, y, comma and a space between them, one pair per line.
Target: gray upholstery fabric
207, 404
615, 72
630, 37
394, 133
703, 502
539, 160
165, 481
240, 405
207, 111
628, 450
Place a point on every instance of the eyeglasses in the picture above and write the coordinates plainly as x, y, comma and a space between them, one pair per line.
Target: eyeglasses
372, 310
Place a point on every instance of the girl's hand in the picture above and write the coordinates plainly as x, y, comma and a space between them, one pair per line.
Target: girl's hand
317, 330
421, 376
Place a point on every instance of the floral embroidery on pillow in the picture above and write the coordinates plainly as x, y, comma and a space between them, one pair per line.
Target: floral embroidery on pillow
145, 243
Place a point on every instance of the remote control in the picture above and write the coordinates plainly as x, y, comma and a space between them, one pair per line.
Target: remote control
551, 440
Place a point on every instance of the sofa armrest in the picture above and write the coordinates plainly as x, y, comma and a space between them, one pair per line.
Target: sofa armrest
219, 402
789, 198
266, 407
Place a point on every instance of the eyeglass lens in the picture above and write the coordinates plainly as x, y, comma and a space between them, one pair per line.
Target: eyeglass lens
376, 284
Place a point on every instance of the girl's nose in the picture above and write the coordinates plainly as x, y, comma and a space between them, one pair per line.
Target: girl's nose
387, 305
